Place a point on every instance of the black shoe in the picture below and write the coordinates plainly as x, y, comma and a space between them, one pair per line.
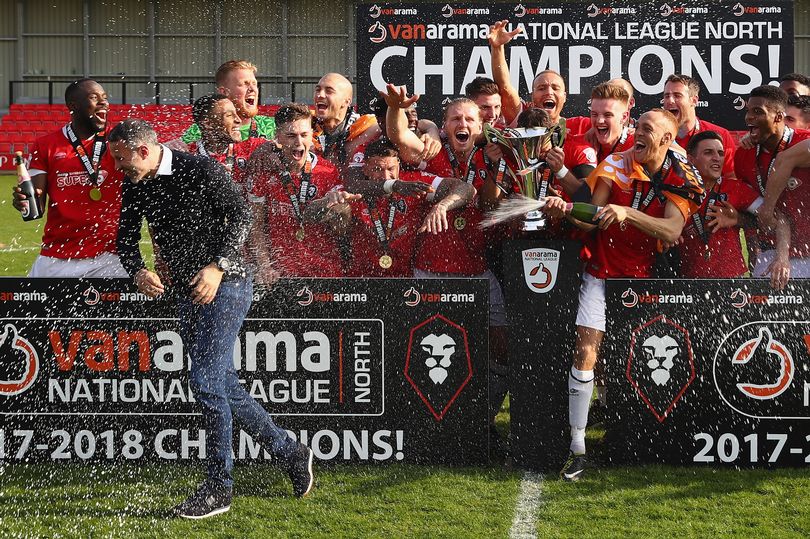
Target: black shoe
209, 500
574, 467
299, 468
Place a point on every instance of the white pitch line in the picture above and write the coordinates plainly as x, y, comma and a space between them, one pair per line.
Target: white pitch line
525, 520
37, 248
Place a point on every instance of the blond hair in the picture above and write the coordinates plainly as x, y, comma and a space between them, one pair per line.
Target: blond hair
232, 65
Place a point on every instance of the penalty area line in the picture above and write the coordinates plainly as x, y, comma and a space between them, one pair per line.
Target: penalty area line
528, 501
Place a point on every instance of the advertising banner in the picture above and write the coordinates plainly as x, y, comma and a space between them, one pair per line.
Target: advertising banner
379, 370
542, 291
437, 49
708, 371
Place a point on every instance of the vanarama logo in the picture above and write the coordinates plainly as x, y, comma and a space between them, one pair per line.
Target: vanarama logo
449, 11
521, 11
666, 10
739, 103
594, 11
375, 11
377, 27
766, 346
24, 296
740, 299
739, 10
413, 297
14, 347
92, 296
308, 297
630, 298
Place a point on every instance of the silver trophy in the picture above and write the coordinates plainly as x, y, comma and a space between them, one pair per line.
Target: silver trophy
529, 173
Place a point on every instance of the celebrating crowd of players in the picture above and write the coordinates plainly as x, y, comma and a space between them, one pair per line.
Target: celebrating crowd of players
335, 193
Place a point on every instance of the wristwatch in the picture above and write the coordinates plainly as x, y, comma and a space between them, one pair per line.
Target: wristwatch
224, 264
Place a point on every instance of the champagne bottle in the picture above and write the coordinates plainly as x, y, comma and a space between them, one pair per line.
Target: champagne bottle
582, 211
30, 209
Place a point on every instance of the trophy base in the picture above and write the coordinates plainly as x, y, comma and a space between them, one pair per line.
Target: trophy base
535, 221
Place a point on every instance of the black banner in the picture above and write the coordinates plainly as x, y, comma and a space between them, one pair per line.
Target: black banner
436, 49
541, 297
708, 372
361, 370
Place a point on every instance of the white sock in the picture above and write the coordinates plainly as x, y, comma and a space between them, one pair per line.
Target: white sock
580, 390
601, 394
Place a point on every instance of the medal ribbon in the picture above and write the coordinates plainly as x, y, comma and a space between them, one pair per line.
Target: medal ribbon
382, 231
700, 221
787, 136
454, 164
655, 186
99, 146
298, 197
337, 139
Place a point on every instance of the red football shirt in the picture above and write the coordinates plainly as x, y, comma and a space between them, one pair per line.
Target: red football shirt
241, 153
76, 226
725, 258
625, 142
729, 145
400, 217
316, 254
460, 249
795, 201
577, 125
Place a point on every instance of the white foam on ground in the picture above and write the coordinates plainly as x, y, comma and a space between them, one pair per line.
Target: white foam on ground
528, 501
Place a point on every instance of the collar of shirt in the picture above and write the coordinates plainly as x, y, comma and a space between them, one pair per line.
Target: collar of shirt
165, 166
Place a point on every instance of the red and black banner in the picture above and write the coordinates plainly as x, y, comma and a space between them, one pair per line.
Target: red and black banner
436, 49
708, 371
361, 370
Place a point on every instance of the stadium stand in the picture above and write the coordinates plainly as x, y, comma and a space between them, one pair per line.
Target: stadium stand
25, 122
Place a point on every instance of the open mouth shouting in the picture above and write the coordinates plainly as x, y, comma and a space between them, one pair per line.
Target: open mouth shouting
462, 136
549, 105
298, 155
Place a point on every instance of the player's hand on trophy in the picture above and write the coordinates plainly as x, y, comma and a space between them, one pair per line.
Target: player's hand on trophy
396, 97
554, 207
611, 214
499, 35
412, 189
493, 152
555, 158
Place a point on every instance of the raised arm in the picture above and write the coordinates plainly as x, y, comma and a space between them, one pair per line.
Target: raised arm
510, 99
410, 146
797, 156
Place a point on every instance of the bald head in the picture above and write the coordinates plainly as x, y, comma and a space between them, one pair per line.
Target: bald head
333, 96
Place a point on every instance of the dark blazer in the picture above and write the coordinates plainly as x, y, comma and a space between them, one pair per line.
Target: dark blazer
195, 214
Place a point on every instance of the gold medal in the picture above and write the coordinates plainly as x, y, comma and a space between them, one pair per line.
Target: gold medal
95, 194
299, 234
460, 223
386, 261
